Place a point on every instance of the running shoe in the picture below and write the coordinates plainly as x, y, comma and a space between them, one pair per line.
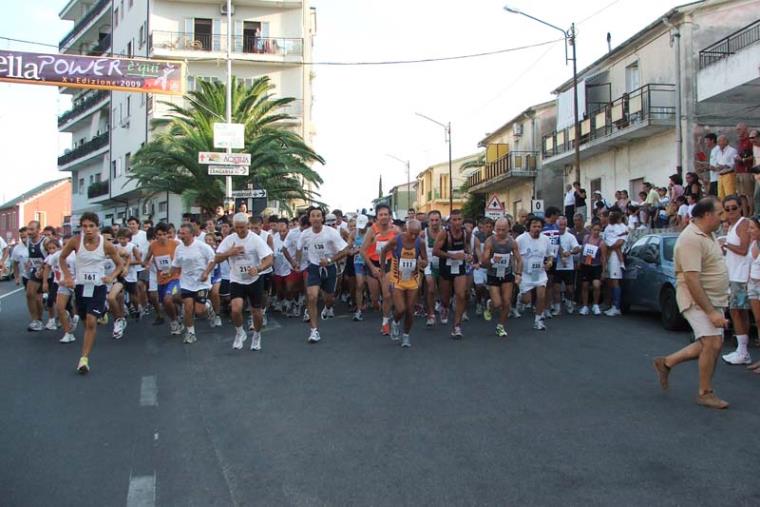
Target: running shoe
385, 329
596, 310
240, 338
515, 313
103, 319
465, 317
217, 321
500, 331
35, 325
539, 325
487, 315
306, 317
175, 328
406, 341
67, 338
456, 333
478, 309
430, 322
358, 316
51, 325
569, 307
555, 311
737, 357
314, 336
256, 341
584, 311
444, 314
395, 331
547, 314
327, 313
84, 365
118, 328
613, 312
189, 337
74, 323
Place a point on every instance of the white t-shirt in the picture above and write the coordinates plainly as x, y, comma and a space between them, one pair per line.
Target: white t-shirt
132, 268
193, 261
570, 198
3, 245
533, 252
684, 211
265, 236
20, 256
255, 251
322, 244
281, 264
140, 240
613, 233
567, 243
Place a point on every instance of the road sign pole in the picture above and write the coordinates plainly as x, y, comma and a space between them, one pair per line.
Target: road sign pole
228, 179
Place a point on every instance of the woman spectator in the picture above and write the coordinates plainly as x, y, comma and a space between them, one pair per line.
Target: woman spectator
623, 201
692, 187
675, 186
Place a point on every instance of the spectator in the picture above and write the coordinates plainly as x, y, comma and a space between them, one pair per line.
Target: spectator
711, 150
675, 186
580, 200
745, 182
725, 160
755, 139
522, 217
683, 214
569, 203
692, 186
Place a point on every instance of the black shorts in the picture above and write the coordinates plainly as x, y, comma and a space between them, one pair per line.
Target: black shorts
252, 293
591, 273
130, 287
445, 273
566, 276
143, 276
33, 280
199, 296
349, 269
266, 282
93, 305
52, 293
387, 265
224, 288
325, 278
493, 281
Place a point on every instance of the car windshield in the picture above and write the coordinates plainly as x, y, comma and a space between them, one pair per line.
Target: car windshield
668, 245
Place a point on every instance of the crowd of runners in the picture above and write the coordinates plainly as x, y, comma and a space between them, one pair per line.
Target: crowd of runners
245, 267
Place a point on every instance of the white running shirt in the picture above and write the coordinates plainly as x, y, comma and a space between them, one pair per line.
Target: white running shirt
320, 245
193, 261
255, 251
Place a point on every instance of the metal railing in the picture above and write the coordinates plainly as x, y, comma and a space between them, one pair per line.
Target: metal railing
513, 164
90, 100
97, 189
650, 102
185, 41
91, 14
90, 146
101, 46
727, 46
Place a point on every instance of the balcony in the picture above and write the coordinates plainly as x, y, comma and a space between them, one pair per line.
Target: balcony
253, 47
641, 113
516, 165
99, 8
97, 189
90, 100
101, 47
85, 151
728, 46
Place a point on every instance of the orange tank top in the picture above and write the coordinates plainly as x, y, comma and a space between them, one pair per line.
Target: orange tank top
381, 239
163, 257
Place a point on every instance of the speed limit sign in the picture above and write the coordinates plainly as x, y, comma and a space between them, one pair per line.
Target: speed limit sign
537, 205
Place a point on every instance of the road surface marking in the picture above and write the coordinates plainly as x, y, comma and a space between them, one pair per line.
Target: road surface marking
11, 293
271, 326
149, 392
142, 491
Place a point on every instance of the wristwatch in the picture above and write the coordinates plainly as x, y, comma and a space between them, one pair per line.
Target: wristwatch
329, 260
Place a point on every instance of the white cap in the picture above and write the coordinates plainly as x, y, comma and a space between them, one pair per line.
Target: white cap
330, 218
362, 221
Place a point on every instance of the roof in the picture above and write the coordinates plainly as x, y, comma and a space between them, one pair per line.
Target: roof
504, 127
618, 50
39, 189
454, 163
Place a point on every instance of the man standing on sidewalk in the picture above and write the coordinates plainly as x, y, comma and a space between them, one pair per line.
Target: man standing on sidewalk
702, 295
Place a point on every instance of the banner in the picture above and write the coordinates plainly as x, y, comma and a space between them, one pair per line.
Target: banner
104, 73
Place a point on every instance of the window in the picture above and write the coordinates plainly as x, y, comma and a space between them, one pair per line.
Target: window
141, 36
116, 17
634, 187
162, 207
92, 179
595, 184
41, 217
202, 33
127, 165
98, 177
81, 186
129, 107
113, 169
638, 247
668, 245
129, 49
632, 77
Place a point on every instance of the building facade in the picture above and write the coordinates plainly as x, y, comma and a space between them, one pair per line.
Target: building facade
628, 102
433, 186
400, 198
513, 167
269, 38
48, 203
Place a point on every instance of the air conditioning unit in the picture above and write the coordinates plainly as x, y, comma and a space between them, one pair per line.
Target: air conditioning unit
223, 9
517, 129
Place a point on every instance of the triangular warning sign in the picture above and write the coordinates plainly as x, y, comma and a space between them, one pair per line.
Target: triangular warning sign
494, 204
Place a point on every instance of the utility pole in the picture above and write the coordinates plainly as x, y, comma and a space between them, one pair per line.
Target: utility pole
447, 129
228, 179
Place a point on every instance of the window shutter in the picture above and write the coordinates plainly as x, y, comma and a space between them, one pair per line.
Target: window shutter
216, 34
238, 37
186, 39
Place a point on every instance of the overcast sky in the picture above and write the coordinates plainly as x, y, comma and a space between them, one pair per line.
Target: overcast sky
363, 113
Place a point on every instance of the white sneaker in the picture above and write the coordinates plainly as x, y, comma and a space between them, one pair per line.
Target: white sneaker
327, 313
358, 316
515, 313
612, 312
35, 325
584, 310
240, 338
547, 314
465, 317
406, 341
737, 357
217, 321
118, 328
395, 331
256, 341
430, 322
306, 315
50, 326
67, 338
175, 328
74, 323
314, 336
539, 325
479, 309
569, 307
189, 337
596, 310
555, 311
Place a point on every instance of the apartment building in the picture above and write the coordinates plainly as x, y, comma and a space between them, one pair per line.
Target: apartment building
400, 199
433, 186
628, 100
269, 37
513, 169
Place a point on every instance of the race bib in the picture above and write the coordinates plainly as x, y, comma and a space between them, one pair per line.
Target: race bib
535, 268
589, 253
87, 277
407, 268
243, 270
454, 264
501, 263
163, 262
379, 245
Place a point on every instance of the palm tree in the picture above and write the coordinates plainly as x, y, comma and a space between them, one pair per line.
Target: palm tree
280, 159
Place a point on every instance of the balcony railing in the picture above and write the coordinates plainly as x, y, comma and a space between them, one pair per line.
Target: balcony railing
90, 146
97, 189
730, 45
83, 105
184, 41
514, 164
101, 46
650, 102
91, 14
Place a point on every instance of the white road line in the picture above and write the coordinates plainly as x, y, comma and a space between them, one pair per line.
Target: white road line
149, 392
271, 326
142, 491
11, 293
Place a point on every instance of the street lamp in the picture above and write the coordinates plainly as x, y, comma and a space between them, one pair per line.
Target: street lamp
569, 39
408, 178
447, 129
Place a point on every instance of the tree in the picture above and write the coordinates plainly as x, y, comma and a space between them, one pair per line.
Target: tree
280, 159
475, 204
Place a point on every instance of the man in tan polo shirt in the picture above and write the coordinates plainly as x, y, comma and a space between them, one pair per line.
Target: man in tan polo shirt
702, 295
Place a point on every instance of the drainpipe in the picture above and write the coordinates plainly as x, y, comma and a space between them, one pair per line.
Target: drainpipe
675, 42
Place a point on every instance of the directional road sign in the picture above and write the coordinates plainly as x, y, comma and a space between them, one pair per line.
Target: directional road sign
228, 170
249, 193
215, 157
229, 135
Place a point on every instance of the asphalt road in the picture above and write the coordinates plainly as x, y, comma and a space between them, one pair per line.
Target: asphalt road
572, 416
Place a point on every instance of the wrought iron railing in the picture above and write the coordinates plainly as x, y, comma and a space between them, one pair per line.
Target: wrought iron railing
101, 46
90, 146
91, 14
97, 189
727, 46
90, 100
185, 41
650, 102
513, 164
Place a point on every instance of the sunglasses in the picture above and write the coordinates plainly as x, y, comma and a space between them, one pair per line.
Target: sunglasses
731, 208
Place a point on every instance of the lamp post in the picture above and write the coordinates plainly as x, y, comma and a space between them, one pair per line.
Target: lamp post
228, 179
408, 165
569, 40
447, 129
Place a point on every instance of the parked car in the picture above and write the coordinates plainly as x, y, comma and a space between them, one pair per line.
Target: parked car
649, 280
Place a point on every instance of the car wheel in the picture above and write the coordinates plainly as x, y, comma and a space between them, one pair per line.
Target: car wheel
671, 317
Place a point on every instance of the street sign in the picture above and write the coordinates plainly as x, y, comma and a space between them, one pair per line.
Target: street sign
537, 206
249, 194
494, 208
228, 170
229, 135
216, 157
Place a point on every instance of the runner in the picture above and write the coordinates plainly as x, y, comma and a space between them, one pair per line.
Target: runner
115, 289
501, 258
248, 256
224, 267
91, 251
408, 257
140, 240
50, 285
284, 279
256, 225
161, 252
378, 235
452, 248
565, 272
431, 270
291, 252
593, 268
615, 235
35, 243
551, 231
323, 247
537, 253
132, 257
152, 290
193, 263
480, 273
214, 315
355, 242
63, 296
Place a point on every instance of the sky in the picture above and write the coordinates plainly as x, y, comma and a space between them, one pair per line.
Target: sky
362, 114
